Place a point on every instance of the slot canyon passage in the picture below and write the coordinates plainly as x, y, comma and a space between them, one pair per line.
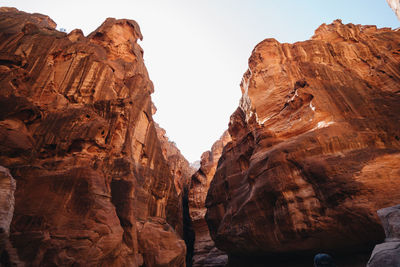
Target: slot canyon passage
87, 178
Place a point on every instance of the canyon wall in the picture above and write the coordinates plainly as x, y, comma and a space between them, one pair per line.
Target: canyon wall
205, 252
315, 149
93, 185
182, 172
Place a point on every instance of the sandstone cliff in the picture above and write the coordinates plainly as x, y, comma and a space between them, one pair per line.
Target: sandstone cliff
315, 148
182, 171
77, 133
205, 252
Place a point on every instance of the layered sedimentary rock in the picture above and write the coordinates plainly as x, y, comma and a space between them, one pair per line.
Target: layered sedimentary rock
160, 244
388, 253
77, 134
395, 5
205, 252
315, 147
181, 171
200, 181
180, 167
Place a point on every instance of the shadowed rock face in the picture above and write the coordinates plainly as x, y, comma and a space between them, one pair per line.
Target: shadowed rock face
8, 256
200, 181
181, 171
388, 253
205, 252
315, 147
77, 134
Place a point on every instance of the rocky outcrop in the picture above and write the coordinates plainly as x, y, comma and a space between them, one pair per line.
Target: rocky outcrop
200, 181
77, 134
181, 173
395, 5
205, 252
160, 245
388, 253
8, 256
180, 167
315, 148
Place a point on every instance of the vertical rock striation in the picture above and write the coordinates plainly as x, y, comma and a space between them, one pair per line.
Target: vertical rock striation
205, 252
179, 210
315, 148
77, 134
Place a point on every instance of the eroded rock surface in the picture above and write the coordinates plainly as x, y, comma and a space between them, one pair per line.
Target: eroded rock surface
160, 245
388, 253
8, 256
205, 252
77, 134
181, 173
315, 148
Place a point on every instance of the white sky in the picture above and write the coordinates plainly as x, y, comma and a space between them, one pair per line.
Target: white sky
196, 51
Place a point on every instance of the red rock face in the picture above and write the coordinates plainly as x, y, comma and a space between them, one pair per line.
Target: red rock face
178, 207
200, 181
77, 133
315, 147
205, 252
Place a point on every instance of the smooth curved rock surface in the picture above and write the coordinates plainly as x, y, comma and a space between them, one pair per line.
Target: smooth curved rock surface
315, 147
388, 253
77, 134
160, 245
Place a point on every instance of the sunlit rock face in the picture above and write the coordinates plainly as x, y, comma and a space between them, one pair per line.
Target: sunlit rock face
77, 134
315, 147
395, 5
205, 252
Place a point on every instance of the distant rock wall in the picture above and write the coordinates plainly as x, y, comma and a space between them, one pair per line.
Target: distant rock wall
205, 252
77, 134
178, 208
315, 148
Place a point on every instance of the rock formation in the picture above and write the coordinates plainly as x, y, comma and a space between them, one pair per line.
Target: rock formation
388, 253
77, 134
8, 256
395, 5
315, 148
205, 252
182, 171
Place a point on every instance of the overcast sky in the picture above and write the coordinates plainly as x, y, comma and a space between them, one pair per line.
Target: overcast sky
196, 51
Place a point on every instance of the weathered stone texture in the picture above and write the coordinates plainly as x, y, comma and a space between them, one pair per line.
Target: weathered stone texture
315, 147
388, 253
205, 252
77, 134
